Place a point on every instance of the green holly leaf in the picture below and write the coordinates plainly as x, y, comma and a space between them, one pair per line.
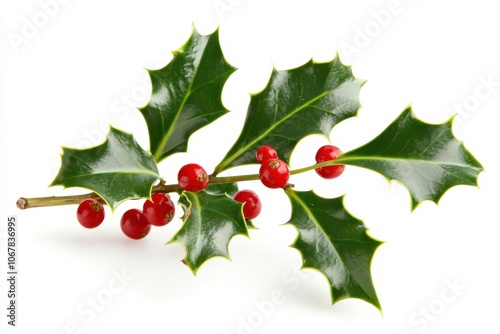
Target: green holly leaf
117, 170
426, 158
335, 243
310, 99
186, 94
230, 189
210, 222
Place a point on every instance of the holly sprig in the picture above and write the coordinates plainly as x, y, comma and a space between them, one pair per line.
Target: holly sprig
310, 99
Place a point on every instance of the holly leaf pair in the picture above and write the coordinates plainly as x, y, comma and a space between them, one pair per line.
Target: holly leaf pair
310, 99
186, 96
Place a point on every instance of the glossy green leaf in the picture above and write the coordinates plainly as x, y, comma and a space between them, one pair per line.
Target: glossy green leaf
210, 222
229, 189
310, 99
335, 243
186, 94
426, 158
224, 188
117, 170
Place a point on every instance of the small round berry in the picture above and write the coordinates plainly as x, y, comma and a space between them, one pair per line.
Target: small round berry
252, 206
328, 153
134, 224
192, 177
90, 213
274, 173
160, 211
266, 152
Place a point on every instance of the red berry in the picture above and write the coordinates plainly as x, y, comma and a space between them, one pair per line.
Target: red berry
192, 177
266, 152
274, 173
252, 206
160, 211
90, 213
327, 153
134, 224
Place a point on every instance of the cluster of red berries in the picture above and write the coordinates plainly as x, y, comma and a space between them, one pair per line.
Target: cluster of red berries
274, 172
160, 210
136, 224
193, 177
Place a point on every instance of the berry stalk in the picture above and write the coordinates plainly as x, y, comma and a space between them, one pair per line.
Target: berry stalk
36, 202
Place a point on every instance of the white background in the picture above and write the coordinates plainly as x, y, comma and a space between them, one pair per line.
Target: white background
82, 67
